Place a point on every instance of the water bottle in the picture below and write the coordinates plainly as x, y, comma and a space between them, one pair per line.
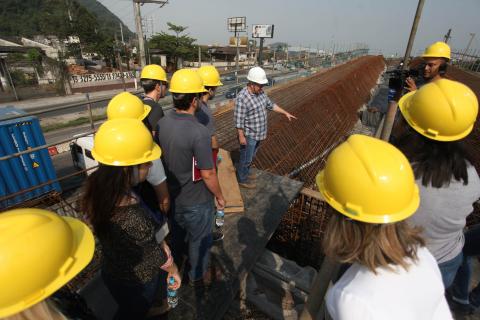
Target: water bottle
172, 297
220, 218
391, 94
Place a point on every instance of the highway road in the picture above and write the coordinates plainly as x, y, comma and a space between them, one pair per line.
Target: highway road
63, 162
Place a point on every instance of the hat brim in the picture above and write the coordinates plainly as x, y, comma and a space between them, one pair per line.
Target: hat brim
146, 111
257, 82
434, 56
217, 84
189, 91
154, 154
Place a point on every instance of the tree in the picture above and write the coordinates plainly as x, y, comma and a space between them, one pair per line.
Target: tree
175, 46
61, 18
35, 57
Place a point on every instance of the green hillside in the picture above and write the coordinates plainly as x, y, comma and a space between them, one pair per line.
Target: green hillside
109, 23
86, 18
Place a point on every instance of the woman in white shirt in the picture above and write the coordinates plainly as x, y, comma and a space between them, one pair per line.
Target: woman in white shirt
370, 188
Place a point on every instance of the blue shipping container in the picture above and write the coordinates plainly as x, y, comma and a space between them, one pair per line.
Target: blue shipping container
28, 170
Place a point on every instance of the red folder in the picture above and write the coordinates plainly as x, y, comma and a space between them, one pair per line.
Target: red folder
196, 174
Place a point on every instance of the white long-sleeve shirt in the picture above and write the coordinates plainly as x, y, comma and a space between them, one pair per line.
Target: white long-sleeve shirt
416, 294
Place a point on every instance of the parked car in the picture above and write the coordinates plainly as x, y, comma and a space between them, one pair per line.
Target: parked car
81, 152
229, 77
232, 92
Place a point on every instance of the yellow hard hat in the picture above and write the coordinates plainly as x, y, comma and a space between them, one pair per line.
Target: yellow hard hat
40, 252
369, 180
127, 105
210, 76
124, 142
443, 110
154, 72
186, 81
437, 50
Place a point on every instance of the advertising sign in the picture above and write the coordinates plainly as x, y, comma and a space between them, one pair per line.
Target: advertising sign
262, 31
242, 43
237, 24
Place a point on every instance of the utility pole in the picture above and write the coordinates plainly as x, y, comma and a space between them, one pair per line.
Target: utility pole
141, 43
237, 25
199, 56
119, 62
138, 27
447, 36
121, 33
392, 107
274, 60
260, 53
237, 56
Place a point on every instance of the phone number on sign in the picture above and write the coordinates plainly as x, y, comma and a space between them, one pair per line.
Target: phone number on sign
96, 77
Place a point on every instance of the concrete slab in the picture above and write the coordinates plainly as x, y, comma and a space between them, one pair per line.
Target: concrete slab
246, 236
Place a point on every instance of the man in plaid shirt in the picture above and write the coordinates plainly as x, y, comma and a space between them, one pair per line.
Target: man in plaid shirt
251, 122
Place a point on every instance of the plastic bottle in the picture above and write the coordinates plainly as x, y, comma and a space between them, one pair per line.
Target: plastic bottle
391, 94
172, 297
220, 218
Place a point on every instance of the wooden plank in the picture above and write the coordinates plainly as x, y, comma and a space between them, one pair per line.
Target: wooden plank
229, 184
312, 194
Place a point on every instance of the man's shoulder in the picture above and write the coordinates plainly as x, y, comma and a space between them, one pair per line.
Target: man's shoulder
167, 117
199, 129
242, 94
150, 102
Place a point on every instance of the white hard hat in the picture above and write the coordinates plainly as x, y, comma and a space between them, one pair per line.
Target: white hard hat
257, 75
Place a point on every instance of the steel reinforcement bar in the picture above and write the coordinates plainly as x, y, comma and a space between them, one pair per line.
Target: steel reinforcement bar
325, 105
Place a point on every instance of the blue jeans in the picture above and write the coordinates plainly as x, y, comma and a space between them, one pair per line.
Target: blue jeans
192, 231
133, 299
247, 153
449, 268
462, 280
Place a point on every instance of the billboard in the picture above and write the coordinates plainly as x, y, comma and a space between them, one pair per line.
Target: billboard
243, 43
262, 31
237, 24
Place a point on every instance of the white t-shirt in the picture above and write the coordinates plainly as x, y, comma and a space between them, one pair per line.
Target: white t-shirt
414, 295
156, 174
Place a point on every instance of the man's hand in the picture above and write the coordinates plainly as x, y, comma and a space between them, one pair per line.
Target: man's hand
242, 139
278, 109
165, 207
290, 116
163, 197
411, 86
220, 202
173, 272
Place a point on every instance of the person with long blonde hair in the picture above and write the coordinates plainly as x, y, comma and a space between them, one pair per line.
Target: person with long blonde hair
370, 188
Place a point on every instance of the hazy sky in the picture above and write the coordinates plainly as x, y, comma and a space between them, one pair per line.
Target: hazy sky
382, 24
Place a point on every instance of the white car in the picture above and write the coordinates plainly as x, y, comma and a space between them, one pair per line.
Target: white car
81, 151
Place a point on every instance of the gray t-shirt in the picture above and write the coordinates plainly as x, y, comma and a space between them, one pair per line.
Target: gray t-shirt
443, 212
204, 116
182, 138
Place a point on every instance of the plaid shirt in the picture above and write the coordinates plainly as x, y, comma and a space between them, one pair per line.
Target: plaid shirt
251, 114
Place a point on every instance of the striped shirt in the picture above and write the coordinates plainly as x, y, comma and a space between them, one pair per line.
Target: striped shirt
251, 113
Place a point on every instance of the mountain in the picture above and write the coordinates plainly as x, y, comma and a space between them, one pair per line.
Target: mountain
108, 21
59, 17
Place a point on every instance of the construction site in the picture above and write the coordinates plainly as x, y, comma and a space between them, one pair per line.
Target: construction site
272, 253
270, 258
